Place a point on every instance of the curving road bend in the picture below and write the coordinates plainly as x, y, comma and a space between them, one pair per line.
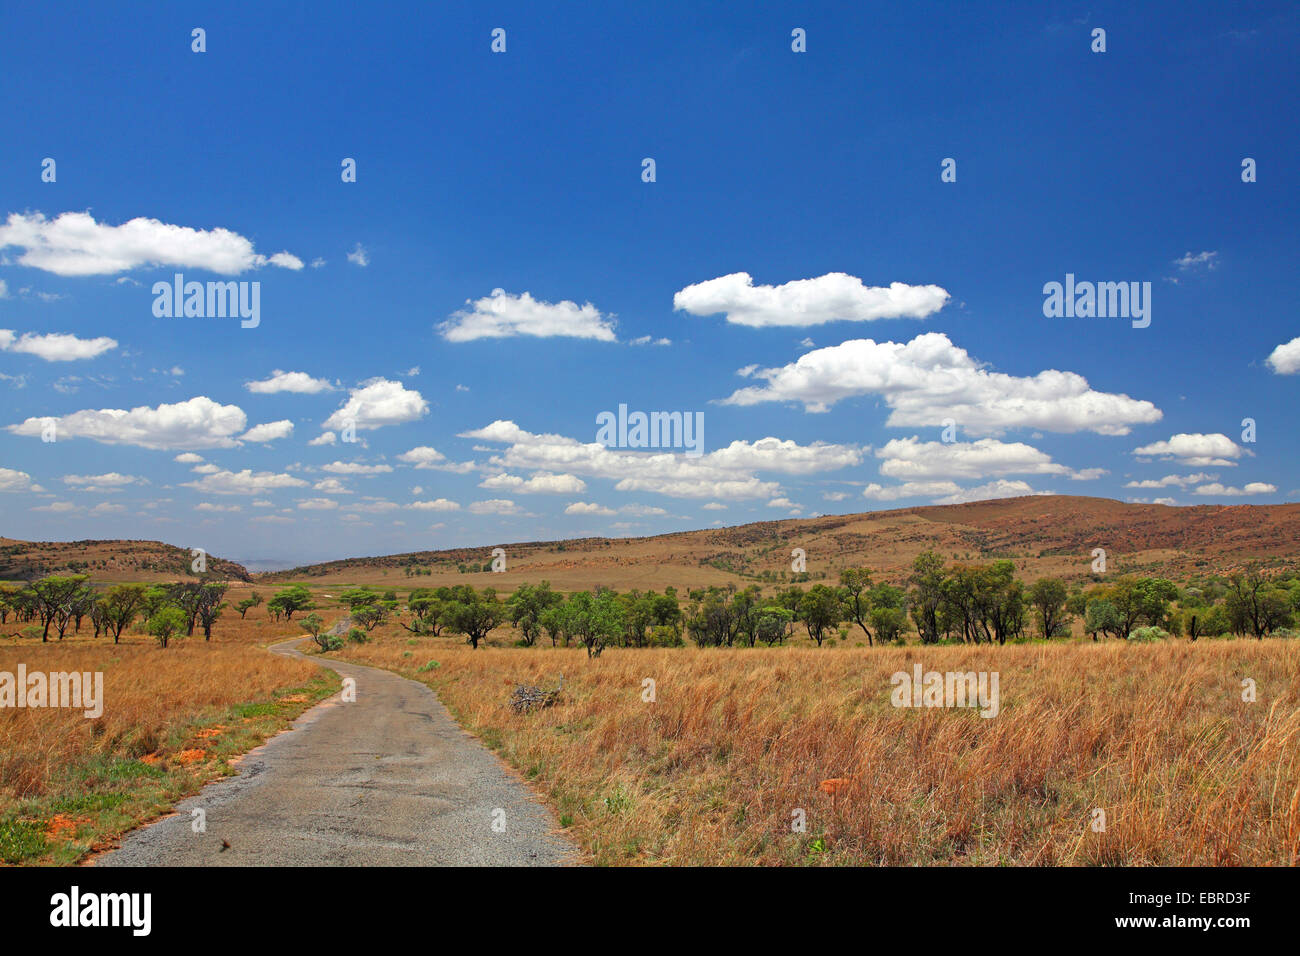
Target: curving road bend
388, 780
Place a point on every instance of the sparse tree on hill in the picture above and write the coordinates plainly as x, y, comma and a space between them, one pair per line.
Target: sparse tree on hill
248, 603
290, 600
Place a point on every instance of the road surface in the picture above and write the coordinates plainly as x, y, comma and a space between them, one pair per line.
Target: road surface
389, 780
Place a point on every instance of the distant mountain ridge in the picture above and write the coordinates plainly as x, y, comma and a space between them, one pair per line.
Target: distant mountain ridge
108, 560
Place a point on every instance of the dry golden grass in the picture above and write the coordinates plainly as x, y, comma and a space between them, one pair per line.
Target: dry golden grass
1157, 736
147, 692
172, 719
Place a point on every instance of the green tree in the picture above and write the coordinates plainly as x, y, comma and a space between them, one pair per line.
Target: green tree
55, 596
1048, 597
472, 614
290, 600
856, 583
166, 623
248, 603
428, 606
821, 610
314, 625
888, 615
120, 606
526, 606
1102, 617
927, 583
595, 620
772, 623
210, 605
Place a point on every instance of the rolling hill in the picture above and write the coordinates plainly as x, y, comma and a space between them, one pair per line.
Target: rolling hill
1044, 535
1048, 534
106, 561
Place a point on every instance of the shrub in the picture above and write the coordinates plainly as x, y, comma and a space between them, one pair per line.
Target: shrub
357, 636
1145, 635
661, 635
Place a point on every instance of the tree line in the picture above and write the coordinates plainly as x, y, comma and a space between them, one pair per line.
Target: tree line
939, 603
56, 603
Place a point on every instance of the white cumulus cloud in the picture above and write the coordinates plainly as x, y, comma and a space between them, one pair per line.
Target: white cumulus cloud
1285, 359
929, 380
197, 423
502, 315
1195, 450
245, 482
270, 431
280, 381
376, 403
805, 302
56, 346
73, 244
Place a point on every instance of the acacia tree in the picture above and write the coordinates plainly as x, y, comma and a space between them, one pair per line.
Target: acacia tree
927, 583
370, 616
526, 606
248, 603
314, 625
888, 612
856, 583
210, 606
290, 600
1255, 605
552, 619
428, 606
186, 595
1101, 617
594, 619
54, 598
83, 603
771, 623
119, 607
167, 623
1048, 598
711, 619
472, 614
821, 610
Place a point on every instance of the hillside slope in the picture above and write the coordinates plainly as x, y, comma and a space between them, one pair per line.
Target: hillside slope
1043, 534
107, 561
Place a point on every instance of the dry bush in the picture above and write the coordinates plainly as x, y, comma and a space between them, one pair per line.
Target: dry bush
1157, 736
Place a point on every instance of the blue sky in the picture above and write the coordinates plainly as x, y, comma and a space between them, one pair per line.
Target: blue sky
522, 171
